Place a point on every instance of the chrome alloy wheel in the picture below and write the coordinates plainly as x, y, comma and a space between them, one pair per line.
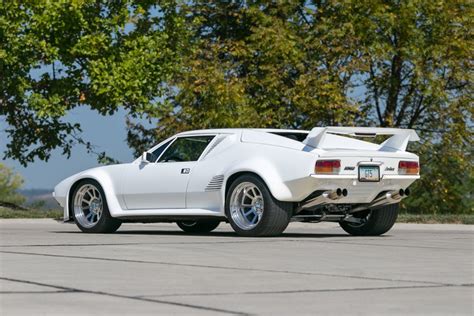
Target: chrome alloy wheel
246, 205
88, 205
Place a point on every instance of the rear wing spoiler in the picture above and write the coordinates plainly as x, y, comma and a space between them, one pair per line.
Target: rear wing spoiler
398, 141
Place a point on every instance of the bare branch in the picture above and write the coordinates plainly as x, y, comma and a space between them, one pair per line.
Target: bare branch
376, 94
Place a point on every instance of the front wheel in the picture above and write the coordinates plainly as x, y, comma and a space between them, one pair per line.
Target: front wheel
90, 210
372, 222
199, 226
252, 211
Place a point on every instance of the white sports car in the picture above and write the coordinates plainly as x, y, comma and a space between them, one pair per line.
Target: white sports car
256, 179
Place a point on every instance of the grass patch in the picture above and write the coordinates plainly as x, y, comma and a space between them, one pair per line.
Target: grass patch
9, 213
467, 219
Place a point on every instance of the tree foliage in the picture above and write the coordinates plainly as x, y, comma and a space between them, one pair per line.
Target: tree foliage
10, 182
58, 55
256, 64
282, 64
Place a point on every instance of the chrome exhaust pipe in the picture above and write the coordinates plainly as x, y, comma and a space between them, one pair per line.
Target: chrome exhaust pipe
390, 197
325, 198
333, 195
397, 195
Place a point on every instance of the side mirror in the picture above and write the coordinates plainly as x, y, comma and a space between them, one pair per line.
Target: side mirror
147, 157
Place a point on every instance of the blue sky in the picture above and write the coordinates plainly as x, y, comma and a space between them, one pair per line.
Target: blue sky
108, 133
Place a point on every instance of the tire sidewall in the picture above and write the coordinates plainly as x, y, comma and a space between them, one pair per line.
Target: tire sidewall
267, 202
103, 224
376, 224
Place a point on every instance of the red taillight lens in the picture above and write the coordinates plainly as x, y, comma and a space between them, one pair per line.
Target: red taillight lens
408, 167
327, 166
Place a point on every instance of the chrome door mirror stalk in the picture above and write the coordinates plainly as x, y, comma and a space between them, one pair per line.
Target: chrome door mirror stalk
147, 157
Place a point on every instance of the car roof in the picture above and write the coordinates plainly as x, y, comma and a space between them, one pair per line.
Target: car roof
238, 130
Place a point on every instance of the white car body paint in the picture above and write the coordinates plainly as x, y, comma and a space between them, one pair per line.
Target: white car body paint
287, 167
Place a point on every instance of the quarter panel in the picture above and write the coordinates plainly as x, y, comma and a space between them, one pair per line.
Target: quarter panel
283, 170
208, 176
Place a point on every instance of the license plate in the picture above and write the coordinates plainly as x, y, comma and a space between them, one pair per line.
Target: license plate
369, 173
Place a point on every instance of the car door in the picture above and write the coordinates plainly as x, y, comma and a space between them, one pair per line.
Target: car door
162, 184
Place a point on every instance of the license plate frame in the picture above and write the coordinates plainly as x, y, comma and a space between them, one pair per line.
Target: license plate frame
365, 175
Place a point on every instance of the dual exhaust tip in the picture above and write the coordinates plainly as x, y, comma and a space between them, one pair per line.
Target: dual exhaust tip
335, 195
341, 192
400, 194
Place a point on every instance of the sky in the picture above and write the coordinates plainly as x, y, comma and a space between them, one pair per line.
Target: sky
107, 133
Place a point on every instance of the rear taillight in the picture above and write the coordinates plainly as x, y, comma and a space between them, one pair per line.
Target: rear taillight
327, 166
408, 167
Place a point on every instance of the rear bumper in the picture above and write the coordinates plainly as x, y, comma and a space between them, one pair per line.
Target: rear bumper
361, 192
357, 192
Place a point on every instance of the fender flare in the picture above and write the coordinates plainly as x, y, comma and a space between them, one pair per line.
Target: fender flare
104, 180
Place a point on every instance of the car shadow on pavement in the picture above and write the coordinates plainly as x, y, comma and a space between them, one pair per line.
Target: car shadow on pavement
212, 234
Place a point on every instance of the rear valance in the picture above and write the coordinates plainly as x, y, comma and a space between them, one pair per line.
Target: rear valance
398, 142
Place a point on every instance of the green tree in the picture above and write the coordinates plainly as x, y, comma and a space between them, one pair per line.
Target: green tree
298, 64
283, 64
418, 74
255, 64
10, 182
58, 55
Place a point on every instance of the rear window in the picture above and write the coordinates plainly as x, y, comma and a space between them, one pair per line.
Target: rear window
295, 136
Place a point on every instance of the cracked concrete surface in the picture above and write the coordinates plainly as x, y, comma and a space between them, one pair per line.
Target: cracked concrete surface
52, 269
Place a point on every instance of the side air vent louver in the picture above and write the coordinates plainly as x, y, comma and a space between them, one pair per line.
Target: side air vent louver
217, 142
216, 183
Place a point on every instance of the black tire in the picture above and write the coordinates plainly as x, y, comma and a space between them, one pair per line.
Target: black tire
106, 223
379, 221
201, 226
276, 214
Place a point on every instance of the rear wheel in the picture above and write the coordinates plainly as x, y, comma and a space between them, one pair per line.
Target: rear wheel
199, 226
90, 210
252, 211
372, 222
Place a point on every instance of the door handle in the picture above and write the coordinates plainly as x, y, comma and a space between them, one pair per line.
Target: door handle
185, 171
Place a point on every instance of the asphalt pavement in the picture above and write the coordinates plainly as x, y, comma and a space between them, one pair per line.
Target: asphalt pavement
50, 268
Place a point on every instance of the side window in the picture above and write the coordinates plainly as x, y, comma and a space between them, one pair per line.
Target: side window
157, 152
186, 149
